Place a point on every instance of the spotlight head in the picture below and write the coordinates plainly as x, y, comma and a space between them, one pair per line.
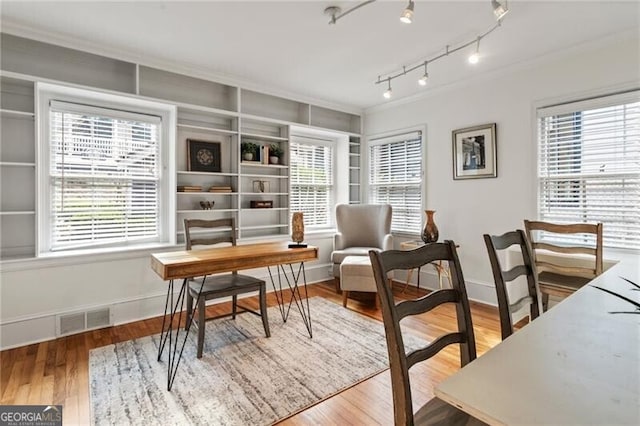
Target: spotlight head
332, 12
387, 94
423, 80
407, 14
474, 58
499, 9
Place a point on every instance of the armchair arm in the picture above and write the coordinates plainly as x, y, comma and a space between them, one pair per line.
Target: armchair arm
387, 242
339, 241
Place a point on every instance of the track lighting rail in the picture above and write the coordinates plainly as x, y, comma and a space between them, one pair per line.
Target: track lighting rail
336, 13
447, 52
500, 9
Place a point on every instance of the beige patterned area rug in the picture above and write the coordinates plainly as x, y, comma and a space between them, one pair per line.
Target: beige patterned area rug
243, 377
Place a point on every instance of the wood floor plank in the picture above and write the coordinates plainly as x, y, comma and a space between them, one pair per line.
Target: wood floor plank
13, 382
57, 372
46, 392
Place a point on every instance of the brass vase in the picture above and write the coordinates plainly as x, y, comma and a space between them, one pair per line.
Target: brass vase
297, 227
430, 232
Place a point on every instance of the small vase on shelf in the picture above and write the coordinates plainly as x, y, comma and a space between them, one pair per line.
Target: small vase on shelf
430, 232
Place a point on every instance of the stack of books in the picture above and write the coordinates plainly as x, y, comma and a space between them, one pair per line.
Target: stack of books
264, 154
220, 189
189, 189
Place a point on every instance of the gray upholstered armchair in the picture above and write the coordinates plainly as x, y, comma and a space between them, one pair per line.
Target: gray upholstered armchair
361, 227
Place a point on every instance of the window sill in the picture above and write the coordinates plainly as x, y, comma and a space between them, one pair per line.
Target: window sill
77, 257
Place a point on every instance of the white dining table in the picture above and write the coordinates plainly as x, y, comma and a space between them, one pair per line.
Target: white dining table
578, 363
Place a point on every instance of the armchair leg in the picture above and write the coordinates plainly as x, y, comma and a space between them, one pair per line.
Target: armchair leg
345, 295
336, 282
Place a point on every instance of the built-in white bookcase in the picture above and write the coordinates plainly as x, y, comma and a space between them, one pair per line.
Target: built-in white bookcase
17, 168
206, 111
355, 171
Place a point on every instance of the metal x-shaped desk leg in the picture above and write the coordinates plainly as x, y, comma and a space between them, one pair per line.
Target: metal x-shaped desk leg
296, 296
171, 310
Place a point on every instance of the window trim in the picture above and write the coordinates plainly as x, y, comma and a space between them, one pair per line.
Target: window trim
45, 93
595, 99
319, 139
387, 137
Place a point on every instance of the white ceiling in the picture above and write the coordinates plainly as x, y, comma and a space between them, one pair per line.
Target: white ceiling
289, 47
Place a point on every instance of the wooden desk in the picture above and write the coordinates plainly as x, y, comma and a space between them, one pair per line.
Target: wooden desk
578, 363
185, 264
193, 263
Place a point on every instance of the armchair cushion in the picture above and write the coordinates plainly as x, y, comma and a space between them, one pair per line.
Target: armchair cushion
361, 227
337, 256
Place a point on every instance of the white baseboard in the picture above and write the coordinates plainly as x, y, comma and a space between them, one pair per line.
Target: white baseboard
36, 329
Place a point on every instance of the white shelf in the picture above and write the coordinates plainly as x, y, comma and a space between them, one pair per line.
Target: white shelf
265, 209
17, 113
265, 176
18, 213
184, 172
253, 228
265, 137
264, 193
206, 211
259, 238
257, 164
201, 108
207, 129
16, 164
206, 193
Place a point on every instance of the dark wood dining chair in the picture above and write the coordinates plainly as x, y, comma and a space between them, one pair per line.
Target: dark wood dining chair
554, 276
221, 285
505, 279
435, 411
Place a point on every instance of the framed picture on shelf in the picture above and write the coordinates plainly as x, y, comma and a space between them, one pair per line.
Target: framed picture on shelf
203, 156
261, 186
474, 152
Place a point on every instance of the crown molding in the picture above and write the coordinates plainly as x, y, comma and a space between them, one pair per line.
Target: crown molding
509, 69
21, 30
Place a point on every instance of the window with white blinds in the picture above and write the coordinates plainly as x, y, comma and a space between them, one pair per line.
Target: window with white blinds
589, 166
104, 176
395, 177
311, 175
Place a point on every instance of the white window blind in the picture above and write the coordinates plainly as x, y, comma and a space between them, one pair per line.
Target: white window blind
589, 166
104, 174
311, 174
395, 177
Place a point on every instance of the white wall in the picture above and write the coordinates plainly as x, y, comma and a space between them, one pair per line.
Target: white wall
33, 292
466, 209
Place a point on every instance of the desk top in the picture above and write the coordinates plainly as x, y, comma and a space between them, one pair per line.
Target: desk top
576, 364
194, 263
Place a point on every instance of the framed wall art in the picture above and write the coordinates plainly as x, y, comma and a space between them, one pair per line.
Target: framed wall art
203, 156
474, 152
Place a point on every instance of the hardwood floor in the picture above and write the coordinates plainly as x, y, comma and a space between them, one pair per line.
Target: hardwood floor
56, 372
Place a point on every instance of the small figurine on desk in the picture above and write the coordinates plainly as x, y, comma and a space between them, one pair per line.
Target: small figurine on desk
297, 231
